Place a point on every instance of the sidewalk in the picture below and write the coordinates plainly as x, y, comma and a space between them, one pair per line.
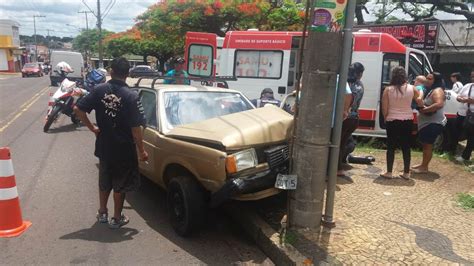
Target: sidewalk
380, 221
6, 75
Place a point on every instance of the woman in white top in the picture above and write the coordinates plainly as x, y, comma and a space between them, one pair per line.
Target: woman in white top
457, 85
466, 97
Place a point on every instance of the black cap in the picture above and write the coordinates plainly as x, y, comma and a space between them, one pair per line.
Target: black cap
267, 90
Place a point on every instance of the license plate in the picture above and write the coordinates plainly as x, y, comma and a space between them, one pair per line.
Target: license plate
286, 182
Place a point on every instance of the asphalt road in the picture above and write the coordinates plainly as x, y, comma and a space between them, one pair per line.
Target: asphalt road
56, 176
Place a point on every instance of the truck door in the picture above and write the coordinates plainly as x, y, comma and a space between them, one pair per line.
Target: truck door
390, 60
293, 67
417, 64
200, 54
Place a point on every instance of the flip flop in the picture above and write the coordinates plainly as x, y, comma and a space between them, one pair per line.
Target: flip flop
387, 176
402, 176
418, 171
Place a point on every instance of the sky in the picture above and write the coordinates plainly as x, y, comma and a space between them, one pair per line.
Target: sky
60, 13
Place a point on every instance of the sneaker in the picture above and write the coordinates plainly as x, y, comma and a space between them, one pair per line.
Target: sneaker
102, 217
117, 223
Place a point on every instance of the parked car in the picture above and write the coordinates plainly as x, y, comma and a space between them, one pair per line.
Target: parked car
74, 59
32, 69
207, 145
141, 71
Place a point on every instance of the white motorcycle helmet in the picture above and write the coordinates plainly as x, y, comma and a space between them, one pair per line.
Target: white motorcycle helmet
64, 68
103, 72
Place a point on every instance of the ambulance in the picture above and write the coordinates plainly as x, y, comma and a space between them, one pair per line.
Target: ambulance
264, 59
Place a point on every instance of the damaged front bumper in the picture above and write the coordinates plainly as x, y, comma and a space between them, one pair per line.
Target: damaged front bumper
243, 185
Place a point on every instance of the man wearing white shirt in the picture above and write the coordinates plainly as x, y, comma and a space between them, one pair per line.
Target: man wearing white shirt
466, 97
457, 85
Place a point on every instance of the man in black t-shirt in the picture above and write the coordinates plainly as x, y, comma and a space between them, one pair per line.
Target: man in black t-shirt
119, 117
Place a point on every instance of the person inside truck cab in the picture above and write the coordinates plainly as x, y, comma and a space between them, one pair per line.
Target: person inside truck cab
266, 97
177, 72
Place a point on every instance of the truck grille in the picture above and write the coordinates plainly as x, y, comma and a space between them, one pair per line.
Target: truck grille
277, 155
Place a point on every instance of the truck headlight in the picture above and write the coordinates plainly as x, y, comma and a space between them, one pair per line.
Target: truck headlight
241, 160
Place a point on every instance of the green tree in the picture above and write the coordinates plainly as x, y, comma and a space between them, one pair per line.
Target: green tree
120, 46
416, 9
288, 17
87, 40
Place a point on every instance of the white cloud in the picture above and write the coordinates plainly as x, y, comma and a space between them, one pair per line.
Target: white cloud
59, 13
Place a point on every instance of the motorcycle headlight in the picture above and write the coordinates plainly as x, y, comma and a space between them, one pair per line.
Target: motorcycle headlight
241, 160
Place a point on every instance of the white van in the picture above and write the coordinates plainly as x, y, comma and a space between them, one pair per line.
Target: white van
74, 59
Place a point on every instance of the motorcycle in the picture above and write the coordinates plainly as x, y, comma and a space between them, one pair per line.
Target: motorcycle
64, 100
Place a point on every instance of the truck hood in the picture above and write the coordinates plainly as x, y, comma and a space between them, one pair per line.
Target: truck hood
269, 124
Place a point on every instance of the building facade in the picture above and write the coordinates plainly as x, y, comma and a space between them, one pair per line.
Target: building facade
10, 52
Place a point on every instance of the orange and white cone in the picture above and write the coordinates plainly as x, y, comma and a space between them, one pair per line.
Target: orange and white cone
11, 222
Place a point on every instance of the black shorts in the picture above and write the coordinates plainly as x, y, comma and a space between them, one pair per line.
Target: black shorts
120, 176
429, 133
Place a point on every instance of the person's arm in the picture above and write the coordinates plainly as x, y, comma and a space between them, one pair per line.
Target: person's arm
418, 97
136, 121
347, 105
385, 104
85, 105
138, 138
85, 120
438, 102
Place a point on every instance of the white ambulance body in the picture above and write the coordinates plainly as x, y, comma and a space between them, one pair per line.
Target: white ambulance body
262, 60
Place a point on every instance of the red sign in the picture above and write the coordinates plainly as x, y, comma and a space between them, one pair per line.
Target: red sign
258, 40
418, 35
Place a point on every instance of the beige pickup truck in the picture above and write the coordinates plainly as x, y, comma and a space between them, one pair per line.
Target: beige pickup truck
207, 145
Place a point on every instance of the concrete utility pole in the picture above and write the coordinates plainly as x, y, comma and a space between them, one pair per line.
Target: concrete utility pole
36, 41
87, 21
87, 29
322, 63
100, 17
99, 26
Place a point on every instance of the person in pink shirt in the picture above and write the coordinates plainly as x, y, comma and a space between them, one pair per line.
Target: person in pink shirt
398, 114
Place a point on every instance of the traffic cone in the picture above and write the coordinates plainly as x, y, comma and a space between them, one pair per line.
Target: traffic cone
11, 222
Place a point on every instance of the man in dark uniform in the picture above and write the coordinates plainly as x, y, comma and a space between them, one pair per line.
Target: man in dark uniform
266, 97
119, 117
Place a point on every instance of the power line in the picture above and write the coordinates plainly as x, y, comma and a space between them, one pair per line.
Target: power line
100, 17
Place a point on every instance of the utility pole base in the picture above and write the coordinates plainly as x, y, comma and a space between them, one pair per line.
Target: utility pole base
328, 224
305, 218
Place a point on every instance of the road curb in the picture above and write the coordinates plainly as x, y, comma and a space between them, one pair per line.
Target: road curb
266, 238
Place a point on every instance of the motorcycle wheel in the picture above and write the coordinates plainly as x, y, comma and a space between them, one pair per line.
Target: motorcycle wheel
51, 117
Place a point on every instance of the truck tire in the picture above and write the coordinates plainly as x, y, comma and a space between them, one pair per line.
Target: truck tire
186, 205
51, 117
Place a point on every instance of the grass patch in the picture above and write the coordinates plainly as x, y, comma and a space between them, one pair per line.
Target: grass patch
289, 238
466, 201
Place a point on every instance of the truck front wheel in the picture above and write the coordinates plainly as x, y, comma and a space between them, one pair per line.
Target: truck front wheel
186, 205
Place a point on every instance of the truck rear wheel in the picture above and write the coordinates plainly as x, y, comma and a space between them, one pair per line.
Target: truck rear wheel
186, 205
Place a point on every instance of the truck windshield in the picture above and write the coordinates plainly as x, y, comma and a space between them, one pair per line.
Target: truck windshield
418, 65
186, 107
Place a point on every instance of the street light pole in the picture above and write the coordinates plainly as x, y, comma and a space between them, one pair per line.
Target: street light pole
36, 41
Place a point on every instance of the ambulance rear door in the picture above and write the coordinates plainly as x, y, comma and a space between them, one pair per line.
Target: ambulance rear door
200, 54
